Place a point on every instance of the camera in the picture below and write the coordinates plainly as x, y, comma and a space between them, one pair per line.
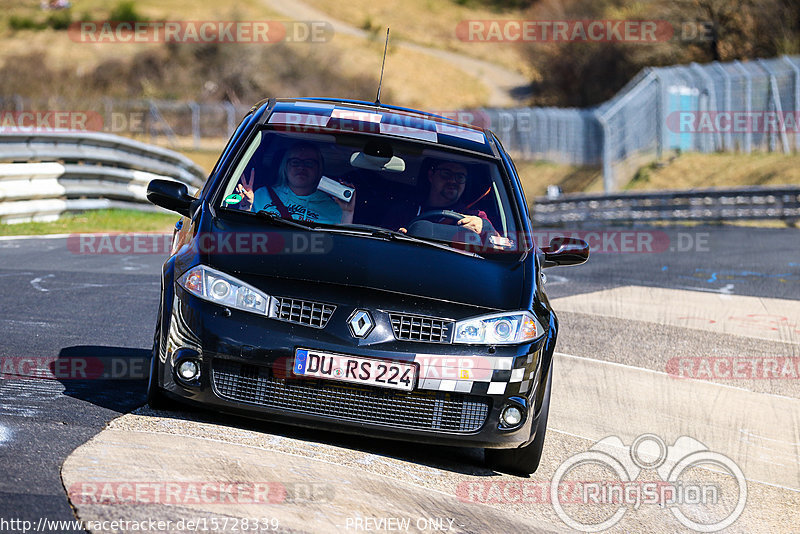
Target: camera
335, 189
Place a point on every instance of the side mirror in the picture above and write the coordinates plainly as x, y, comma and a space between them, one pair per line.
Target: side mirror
565, 251
171, 195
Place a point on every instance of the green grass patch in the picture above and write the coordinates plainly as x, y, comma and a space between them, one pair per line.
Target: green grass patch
96, 221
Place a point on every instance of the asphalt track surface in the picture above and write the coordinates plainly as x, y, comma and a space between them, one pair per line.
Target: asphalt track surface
57, 304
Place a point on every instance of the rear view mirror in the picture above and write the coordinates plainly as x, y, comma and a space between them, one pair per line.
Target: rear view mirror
171, 195
377, 156
565, 251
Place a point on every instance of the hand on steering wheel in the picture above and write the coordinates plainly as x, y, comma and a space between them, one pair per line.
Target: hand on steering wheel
437, 214
467, 222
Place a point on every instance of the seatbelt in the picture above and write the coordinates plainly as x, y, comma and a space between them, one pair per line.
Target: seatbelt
276, 200
468, 206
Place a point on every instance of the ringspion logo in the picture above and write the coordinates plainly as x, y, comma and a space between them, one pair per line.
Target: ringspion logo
696, 500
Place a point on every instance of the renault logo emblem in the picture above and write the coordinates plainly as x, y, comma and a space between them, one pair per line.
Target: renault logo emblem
360, 323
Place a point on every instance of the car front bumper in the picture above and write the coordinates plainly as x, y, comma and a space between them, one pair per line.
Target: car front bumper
246, 368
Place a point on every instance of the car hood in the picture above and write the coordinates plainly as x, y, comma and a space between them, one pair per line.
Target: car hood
372, 263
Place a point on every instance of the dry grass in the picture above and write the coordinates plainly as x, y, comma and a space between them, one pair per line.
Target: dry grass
687, 171
427, 22
694, 170
205, 158
413, 79
537, 175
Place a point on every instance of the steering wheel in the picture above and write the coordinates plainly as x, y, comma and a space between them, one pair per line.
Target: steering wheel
437, 214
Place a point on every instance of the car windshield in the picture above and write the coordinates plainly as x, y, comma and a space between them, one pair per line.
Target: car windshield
369, 182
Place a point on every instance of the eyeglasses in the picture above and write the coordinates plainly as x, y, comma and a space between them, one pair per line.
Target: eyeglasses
447, 174
307, 163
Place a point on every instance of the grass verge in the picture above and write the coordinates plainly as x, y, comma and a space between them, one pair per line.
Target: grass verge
96, 221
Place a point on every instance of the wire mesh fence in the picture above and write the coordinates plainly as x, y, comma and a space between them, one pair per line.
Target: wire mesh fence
737, 106
703, 108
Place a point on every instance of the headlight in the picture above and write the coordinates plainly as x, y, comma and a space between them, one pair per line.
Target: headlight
219, 288
498, 329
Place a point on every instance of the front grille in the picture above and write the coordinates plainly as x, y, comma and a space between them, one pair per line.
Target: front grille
418, 410
303, 312
418, 328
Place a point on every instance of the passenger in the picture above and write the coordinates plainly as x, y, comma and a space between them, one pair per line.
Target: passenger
446, 184
295, 195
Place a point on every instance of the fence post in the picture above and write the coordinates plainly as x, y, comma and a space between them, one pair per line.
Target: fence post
230, 111
608, 178
776, 101
711, 102
660, 116
108, 119
748, 105
728, 142
195, 123
153, 114
796, 110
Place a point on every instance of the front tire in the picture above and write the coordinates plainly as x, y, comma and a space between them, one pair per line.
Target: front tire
525, 460
155, 397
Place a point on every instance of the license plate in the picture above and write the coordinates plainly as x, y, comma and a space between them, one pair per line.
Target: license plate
357, 370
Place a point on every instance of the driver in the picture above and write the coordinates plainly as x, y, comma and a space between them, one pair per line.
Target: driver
447, 181
296, 190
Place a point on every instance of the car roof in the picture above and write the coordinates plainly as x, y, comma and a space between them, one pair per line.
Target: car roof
328, 114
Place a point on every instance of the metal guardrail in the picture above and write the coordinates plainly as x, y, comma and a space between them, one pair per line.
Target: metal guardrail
781, 203
45, 174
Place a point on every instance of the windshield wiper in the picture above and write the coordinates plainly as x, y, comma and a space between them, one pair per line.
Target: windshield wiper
271, 217
392, 235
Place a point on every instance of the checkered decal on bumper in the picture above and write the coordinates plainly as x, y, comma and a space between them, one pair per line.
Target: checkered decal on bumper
476, 375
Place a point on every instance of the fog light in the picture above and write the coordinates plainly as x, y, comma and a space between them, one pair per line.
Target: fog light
188, 370
511, 416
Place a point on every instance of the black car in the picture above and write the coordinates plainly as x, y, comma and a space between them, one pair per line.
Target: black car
361, 268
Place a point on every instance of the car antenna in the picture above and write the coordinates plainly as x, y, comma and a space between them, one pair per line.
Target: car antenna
385, 46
